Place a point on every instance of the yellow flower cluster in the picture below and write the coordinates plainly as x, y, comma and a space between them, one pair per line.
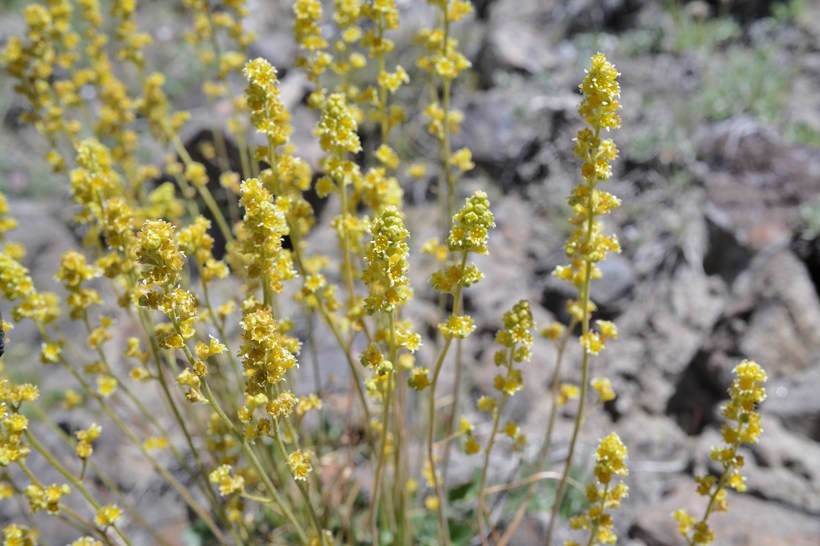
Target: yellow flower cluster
73, 272
98, 189
300, 465
594, 342
158, 252
386, 257
516, 339
46, 498
610, 461
195, 241
107, 515
745, 394
268, 114
85, 439
307, 28
337, 128
267, 352
443, 58
13, 425
19, 535
471, 225
6, 222
264, 226
227, 484
154, 105
16, 284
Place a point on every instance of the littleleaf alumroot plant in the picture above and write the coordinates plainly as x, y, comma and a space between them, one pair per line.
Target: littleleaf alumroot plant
220, 296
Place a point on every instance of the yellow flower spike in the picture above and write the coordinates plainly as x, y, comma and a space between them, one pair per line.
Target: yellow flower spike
610, 457
471, 225
386, 261
337, 128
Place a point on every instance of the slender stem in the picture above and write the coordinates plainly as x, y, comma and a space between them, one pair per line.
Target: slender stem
347, 261
585, 300
444, 528
350, 362
480, 512
374, 506
301, 486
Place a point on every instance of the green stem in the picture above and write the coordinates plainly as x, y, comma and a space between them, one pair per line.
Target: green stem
480, 512
584, 373
374, 506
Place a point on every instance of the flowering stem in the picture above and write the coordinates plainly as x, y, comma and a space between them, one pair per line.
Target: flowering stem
374, 509
277, 435
444, 528
542, 454
70, 477
585, 301
480, 512
594, 531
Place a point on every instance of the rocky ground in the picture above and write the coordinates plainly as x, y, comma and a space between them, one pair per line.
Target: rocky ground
720, 180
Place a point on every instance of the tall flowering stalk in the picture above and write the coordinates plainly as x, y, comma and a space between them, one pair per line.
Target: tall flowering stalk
743, 427
587, 245
516, 342
469, 234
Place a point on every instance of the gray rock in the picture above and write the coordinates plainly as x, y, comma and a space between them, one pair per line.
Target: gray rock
784, 467
494, 131
783, 332
795, 401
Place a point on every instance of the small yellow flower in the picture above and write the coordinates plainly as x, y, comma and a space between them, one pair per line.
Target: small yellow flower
471, 446
567, 392
50, 352
227, 483
416, 170
107, 515
603, 387
457, 326
155, 443
299, 463
106, 385
419, 378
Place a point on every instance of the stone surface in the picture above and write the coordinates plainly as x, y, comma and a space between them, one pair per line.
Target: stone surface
795, 401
